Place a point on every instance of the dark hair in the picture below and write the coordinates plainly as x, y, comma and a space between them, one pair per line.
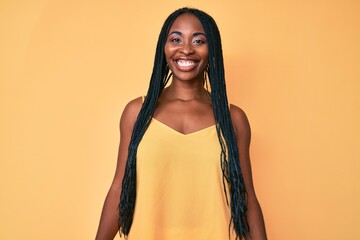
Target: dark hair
229, 157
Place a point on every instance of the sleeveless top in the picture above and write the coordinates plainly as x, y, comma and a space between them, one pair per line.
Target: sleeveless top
180, 193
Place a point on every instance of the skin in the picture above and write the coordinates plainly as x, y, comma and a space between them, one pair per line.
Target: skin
186, 107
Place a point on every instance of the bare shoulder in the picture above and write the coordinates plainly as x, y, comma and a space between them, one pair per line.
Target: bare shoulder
240, 121
130, 113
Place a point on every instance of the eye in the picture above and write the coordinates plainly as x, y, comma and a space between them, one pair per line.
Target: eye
199, 42
175, 40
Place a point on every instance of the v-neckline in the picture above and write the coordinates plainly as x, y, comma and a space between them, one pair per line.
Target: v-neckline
180, 133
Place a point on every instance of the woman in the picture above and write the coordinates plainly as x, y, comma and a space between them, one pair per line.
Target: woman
183, 166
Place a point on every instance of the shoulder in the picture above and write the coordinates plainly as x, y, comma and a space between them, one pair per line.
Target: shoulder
239, 121
130, 113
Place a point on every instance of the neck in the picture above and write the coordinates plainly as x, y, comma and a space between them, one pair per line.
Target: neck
186, 91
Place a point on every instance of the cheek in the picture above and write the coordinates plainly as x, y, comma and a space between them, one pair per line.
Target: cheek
169, 51
205, 54
206, 57
168, 54
166, 51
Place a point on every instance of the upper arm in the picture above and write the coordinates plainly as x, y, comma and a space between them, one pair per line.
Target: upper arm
243, 137
127, 123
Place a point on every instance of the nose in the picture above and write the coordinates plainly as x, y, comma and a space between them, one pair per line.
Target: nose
187, 48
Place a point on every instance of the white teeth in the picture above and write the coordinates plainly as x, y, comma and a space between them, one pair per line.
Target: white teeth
183, 63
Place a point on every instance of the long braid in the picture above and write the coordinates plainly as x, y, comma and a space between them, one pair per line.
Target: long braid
158, 81
229, 152
229, 157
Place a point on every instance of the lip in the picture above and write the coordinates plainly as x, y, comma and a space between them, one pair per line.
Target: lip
186, 64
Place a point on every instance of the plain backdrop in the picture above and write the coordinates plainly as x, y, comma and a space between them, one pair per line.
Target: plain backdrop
67, 69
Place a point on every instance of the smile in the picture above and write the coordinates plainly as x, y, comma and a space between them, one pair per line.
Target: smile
186, 63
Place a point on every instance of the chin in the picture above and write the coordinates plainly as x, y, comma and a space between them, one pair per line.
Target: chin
187, 76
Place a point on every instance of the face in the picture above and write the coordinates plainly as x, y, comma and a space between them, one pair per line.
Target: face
186, 49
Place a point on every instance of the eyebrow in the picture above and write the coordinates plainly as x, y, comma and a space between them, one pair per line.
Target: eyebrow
194, 34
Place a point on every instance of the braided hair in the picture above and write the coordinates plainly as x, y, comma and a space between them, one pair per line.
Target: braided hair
229, 156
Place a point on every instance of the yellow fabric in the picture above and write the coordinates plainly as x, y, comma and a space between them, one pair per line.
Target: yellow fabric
180, 193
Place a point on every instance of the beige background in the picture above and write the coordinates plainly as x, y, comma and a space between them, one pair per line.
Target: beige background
67, 68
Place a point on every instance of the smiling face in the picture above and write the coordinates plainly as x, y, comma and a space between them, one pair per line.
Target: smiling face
186, 49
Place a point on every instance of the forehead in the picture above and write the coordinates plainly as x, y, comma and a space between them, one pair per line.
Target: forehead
187, 22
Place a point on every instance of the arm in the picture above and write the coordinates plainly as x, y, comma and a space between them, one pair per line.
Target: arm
243, 136
108, 225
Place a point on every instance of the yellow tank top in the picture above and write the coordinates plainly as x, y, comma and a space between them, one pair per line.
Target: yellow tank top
180, 193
